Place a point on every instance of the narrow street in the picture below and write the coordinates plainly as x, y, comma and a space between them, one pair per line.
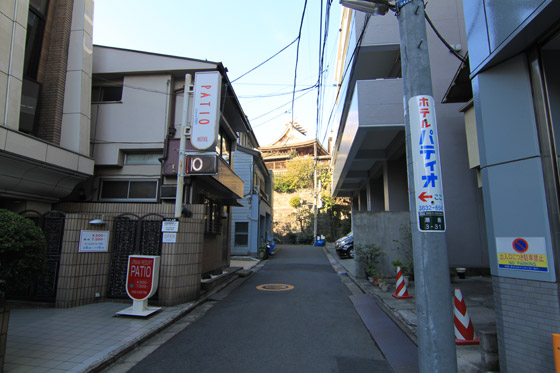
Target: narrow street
307, 324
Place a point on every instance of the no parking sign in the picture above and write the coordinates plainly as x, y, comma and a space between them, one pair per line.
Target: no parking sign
522, 253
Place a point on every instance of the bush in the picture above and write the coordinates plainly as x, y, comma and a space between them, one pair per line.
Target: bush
22, 251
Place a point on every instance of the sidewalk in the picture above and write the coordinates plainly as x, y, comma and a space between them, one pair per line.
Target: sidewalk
84, 339
477, 293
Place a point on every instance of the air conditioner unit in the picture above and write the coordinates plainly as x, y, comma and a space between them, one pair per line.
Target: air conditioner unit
168, 192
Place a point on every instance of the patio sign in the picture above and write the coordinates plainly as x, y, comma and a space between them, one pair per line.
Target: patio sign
142, 281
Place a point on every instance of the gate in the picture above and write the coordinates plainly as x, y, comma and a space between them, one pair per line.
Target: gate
52, 224
132, 235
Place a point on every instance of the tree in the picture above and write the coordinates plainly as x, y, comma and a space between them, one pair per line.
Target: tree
22, 251
302, 214
298, 175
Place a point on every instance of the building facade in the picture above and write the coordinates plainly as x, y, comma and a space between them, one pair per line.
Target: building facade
369, 152
514, 115
45, 89
89, 149
252, 222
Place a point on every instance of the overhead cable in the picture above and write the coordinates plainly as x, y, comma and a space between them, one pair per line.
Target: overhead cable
268, 59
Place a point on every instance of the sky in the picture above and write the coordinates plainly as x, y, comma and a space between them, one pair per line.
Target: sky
241, 34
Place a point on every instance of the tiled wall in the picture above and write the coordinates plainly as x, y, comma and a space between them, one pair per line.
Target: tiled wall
82, 275
527, 313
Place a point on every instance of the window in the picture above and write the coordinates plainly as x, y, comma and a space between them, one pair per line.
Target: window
212, 217
105, 90
223, 146
241, 234
143, 158
34, 39
129, 190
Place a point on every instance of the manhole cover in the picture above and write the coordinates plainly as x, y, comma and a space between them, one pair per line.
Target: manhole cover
275, 287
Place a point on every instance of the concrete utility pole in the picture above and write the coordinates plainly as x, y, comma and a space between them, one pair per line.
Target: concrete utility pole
436, 340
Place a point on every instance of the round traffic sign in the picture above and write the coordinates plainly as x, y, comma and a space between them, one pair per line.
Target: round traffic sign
520, 245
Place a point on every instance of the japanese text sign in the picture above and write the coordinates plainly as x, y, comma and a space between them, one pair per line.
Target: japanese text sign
426, 162
206, 118
142, 276
522, 253
93, 241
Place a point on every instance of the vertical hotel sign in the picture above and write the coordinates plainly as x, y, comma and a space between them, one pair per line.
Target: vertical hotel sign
206, 121
426, 163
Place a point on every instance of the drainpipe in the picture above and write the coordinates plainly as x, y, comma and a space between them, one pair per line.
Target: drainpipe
185, 132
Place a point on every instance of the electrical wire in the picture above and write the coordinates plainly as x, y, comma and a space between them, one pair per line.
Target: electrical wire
287, 103
262, 63
351, 63
451, 49
297, 57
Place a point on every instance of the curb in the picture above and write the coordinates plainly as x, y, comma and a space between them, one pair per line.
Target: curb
122, 350
361, 285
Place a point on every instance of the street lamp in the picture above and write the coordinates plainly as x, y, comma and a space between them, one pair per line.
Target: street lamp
436, 347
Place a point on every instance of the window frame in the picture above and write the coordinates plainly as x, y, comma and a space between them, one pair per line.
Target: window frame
237, 233
128, 199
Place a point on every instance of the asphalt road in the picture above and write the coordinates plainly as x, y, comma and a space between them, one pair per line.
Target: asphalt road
311, 327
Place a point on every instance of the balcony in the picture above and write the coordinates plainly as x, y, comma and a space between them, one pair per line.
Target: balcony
371, 132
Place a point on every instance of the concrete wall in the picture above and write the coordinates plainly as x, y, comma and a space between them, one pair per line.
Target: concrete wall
387, 230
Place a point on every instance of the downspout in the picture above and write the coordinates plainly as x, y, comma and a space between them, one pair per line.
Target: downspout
168, 120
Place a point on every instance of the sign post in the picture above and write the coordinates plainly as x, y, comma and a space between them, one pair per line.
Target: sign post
142, 281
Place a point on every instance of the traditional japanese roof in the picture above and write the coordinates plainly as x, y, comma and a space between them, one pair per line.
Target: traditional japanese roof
294, 136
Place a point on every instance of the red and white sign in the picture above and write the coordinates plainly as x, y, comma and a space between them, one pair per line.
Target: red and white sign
427, 166
142, 276
206, 110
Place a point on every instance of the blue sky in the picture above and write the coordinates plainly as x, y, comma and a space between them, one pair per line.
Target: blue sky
240, 34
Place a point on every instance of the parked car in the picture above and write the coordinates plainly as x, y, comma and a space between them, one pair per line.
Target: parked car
345, 245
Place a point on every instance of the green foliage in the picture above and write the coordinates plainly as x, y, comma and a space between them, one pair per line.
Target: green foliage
369, 255
22, 251
299, 175
295, 202
405, 251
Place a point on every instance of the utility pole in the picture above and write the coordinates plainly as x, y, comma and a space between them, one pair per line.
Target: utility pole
185, 132
315, 191
436, 340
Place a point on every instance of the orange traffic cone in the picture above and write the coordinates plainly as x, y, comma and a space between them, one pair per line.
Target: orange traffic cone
401, 292
464, 330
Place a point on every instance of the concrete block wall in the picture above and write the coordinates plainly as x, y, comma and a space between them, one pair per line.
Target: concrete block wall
527, 313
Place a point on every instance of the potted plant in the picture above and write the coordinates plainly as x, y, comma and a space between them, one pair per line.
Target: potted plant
261, 251
369, 255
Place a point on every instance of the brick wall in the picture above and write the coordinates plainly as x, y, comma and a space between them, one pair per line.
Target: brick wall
527, 313
52, 71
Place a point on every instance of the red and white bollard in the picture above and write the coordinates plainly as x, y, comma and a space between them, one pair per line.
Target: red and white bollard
464, 329
401, 292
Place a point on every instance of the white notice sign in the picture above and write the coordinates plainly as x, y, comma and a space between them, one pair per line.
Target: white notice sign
205, 124
425, 158
93, 241
170, 226
169, 237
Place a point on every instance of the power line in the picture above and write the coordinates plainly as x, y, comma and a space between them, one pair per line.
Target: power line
287, 103
351, 63
297, 57
268, 59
